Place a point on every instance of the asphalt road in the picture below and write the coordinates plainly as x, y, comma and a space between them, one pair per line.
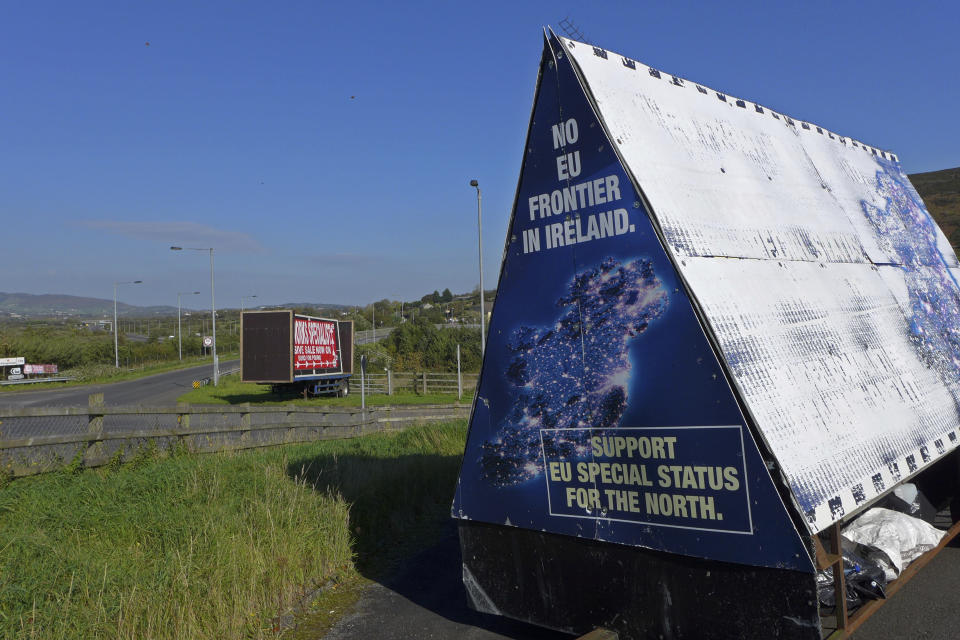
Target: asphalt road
160, 390
427, 600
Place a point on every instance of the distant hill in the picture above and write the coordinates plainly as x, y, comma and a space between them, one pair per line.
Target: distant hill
47, 305
940, 191
52, 305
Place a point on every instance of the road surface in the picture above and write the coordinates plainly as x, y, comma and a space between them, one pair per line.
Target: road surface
159, 390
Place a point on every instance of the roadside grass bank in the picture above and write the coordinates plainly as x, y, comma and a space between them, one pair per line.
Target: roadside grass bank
104, 373
217, 546
232, 391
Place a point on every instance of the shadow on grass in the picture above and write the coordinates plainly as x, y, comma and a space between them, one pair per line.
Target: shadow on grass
257, 398
405, 539
398, 504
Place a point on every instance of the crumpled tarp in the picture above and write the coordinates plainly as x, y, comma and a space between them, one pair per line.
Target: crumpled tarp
894, 539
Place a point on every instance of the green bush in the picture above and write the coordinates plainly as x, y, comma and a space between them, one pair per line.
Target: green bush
420, 345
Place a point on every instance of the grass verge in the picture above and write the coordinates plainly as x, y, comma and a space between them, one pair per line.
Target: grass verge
215, 546
232, 391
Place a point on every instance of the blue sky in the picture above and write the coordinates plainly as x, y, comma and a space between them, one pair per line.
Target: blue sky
325, 150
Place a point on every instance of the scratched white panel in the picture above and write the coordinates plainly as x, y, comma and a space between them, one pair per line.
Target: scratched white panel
822, 359
732, 180
832, 293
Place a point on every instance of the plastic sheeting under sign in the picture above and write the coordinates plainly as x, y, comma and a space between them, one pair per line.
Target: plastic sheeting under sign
895, 539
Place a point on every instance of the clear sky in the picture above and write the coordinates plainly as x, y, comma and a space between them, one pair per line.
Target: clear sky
325, 149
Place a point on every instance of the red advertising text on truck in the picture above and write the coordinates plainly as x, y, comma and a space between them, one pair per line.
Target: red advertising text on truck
315, 344
294, 352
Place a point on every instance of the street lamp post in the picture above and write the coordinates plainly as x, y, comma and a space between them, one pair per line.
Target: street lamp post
483, 335
179, 332
116, 346
213, 311
242, 298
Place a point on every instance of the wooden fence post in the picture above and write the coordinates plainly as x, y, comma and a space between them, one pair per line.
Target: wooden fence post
183, 422
93, 454
95, 417
245, 425
424, 374
183, 415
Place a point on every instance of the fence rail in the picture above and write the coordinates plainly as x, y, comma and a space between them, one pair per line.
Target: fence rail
418, 382
96, 435
36, 380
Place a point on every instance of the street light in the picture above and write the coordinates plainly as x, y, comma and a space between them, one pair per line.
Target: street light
213, 311
116, 347
401, 308
474, 183
242, 298
179, 332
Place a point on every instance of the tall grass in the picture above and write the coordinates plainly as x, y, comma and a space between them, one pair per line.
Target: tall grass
211, 546
398, 488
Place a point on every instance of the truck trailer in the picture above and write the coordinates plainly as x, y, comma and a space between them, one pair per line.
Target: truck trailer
294, 352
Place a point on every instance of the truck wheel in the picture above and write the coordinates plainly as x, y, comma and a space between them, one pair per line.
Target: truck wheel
343, 390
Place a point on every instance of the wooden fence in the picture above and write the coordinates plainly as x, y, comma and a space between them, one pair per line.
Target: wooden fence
420, 383
37, 440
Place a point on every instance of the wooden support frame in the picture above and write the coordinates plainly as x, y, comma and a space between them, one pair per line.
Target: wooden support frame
847, 624
600, 634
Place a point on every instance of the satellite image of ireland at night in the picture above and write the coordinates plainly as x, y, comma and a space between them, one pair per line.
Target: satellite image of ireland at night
575, 372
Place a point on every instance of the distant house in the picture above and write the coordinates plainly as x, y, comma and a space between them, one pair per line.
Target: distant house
95, 325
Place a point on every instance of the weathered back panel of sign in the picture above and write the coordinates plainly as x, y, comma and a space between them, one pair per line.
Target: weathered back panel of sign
602, 410
831, 292
266, 346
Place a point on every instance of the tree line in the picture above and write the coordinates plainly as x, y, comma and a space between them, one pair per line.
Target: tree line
70, 347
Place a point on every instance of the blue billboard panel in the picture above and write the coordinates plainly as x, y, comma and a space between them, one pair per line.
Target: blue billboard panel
602, 410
